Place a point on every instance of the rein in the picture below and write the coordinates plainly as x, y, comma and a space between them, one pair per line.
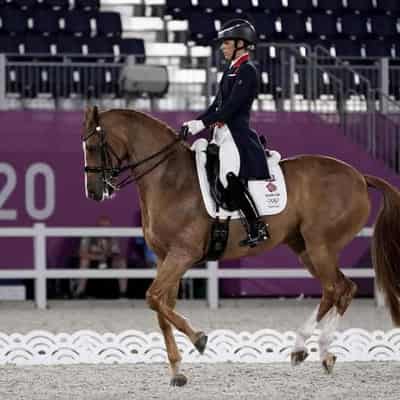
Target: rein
107, 167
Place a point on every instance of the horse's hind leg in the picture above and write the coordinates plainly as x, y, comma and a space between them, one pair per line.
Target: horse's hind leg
174, 357
300, 353
340, 295
338, 292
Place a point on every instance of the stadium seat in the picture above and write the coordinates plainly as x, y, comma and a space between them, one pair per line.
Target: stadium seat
378, 48
37, 45
271, 6
330, 6
360, 6
354, 26
209, 5
69, 45
178, 9
265, 25
13, 21
45, 22
347, 48
240, 6
324, 26
25, 4
300, 6
202, 28
87, 5
383, 26
101, 47
56, 5
77, 23
293, 27
9, 44
391, 7
109, 24
132, 46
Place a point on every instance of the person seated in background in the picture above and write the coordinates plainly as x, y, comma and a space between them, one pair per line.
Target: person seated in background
101, 252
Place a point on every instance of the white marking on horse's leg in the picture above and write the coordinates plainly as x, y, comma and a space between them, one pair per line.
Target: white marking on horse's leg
85, 174
329, 326
306, 330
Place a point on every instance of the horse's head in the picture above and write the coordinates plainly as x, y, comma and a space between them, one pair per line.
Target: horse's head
101, 160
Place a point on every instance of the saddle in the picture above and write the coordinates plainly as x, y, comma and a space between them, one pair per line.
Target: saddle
219, 194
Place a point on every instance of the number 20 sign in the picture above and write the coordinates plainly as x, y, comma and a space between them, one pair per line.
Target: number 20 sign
32, 173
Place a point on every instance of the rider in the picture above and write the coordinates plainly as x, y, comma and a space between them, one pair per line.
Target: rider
242, 156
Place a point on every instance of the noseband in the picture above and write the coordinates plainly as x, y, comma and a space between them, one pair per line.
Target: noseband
108, 171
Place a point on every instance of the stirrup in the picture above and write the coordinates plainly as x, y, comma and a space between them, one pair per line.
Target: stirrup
261, 234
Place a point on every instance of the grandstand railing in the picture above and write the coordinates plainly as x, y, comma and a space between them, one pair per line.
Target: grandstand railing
40, 273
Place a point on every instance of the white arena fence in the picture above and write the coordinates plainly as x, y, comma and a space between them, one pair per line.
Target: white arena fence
131, 346
40, 273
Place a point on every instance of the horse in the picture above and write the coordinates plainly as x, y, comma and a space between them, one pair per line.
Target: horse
328, 204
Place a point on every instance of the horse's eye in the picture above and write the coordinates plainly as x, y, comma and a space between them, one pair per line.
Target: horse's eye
91, 148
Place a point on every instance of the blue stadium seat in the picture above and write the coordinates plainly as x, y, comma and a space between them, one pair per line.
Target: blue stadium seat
45, 22
77, 23
37, 45
265, 25
9, 44
240, 6
69, 45
25, 4
179, 9
132, 46
101, 47
293, 26
56, 5
361, 6
354, 26
330, 6
384, 26
347, 48
300, 6
378, 48
209, 5
87, 5
109, 24
391, 7
271, 6
324, 26
13, 21
202, 28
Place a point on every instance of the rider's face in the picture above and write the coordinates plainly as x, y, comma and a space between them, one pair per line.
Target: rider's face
227, 48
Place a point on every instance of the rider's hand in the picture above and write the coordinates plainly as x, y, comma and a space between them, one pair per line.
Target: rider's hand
195, 126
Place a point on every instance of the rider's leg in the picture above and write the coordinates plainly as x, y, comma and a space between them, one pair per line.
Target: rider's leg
257, 230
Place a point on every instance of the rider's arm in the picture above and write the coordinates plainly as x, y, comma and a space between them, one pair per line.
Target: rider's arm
210, 110
243, 91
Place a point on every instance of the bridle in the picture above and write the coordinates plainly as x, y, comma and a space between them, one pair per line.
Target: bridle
109, 171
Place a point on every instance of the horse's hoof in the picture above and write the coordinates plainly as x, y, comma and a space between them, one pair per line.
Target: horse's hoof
297, 357
201, 342
178, 380
329, 362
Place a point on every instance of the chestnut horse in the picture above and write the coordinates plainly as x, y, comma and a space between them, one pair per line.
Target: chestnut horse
328, 204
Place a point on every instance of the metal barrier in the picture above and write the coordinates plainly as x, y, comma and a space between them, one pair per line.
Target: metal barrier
39, 233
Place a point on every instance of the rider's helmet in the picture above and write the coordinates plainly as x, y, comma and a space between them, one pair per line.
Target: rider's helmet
238, 29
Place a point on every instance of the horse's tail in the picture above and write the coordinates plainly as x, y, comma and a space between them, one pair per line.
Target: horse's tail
386, 245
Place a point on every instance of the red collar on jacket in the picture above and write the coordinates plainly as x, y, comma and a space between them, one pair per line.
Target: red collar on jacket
239, 61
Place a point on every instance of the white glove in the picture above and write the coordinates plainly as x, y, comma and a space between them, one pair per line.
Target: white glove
195, 126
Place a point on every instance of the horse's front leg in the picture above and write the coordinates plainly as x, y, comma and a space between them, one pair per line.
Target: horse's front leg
168, 277
174, 357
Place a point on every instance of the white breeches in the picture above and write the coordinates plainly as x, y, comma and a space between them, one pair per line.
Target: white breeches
228, 154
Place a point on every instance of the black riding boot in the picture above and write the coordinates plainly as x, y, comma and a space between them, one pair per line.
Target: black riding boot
256, 228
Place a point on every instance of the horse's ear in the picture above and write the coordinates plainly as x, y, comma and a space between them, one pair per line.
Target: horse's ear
91, 116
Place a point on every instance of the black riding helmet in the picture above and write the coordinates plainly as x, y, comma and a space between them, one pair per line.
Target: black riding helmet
238, 29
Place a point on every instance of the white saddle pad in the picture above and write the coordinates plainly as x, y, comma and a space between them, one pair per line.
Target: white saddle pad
269, 195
